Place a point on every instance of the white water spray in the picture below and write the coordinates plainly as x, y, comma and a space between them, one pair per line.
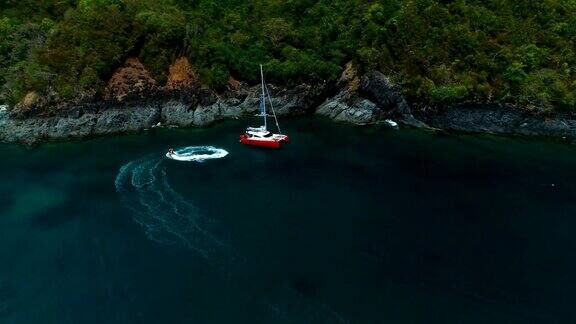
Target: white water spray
197, 154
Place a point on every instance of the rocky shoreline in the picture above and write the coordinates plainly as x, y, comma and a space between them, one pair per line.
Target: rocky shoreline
501, 120
367, 99
89, 121
491, 119
127, 106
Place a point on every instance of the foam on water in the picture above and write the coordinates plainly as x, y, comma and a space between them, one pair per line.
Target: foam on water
169, 218
197, 154
165, 215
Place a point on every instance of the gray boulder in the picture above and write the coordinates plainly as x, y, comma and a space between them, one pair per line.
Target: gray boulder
177, 114
28, 132
234, 107
361, 111
72, 127
367, 99
206, 115
295, 101
388, 96
126, 120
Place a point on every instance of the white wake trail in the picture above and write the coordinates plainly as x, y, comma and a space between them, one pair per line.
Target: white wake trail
166, 216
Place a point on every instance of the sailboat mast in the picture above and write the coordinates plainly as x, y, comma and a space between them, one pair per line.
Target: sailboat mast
263, 97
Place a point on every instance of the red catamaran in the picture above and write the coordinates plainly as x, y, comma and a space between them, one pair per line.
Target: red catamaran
260, 136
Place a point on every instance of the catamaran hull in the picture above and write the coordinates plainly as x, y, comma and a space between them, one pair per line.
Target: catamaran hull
263, 142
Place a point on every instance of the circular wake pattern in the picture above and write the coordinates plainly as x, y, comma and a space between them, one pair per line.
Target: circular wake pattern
168, 218
197, 154
165, 215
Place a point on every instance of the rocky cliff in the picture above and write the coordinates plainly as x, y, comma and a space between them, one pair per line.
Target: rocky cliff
132, 101
502, 120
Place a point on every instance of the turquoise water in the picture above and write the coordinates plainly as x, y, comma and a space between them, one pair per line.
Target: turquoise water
344, 225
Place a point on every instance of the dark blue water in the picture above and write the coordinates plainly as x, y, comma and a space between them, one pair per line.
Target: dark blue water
344, 225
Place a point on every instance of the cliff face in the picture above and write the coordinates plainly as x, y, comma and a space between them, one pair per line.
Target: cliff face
365, 99
181, 76
503, 120
133, 101
131, 81
27, 105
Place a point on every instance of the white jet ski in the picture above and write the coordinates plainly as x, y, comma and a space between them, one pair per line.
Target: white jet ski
196, 153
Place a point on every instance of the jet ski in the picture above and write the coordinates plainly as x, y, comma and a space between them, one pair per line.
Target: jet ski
196, 153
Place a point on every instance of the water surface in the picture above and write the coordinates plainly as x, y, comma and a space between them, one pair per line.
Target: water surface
344, 225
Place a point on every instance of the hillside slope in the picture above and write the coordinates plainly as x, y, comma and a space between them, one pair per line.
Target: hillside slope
515, 51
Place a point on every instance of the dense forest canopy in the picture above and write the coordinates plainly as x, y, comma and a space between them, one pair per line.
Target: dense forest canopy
520, 51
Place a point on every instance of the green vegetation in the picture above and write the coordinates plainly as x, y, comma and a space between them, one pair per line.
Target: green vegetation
520, 51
